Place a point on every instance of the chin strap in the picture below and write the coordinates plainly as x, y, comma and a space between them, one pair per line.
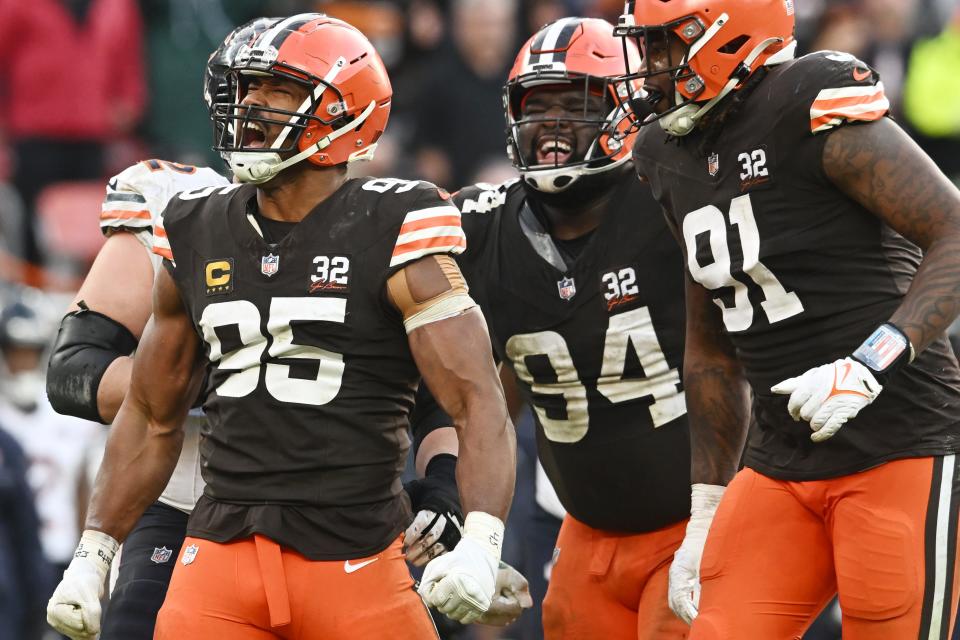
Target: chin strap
683, 120
263, 166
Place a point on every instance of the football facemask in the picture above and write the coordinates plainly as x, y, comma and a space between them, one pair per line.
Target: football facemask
345, 110
577, 56
216, 89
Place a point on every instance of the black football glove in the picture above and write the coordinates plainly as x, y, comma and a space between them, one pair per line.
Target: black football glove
438, 518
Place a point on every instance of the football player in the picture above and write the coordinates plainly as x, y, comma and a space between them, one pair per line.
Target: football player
306, 431
823, 265
91, 362
583, 296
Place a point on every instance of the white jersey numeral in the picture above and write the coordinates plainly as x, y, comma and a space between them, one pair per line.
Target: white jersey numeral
778, 304
632, 327
567, 384
245, 360
382, 185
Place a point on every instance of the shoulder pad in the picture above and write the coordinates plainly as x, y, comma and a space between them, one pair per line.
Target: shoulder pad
181, 207
136, 196
836, 88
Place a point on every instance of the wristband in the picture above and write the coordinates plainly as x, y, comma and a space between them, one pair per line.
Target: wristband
98, 547
486, 530
886, 351
704, 500
442, 466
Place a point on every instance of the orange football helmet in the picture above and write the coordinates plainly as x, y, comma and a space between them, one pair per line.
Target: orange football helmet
725, 41
579, 53
341, 119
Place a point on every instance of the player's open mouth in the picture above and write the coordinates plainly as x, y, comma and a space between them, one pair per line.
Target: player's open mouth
254, 136
554, 150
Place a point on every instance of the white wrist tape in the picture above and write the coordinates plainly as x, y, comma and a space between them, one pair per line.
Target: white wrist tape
97, 548
486, 530
704, 500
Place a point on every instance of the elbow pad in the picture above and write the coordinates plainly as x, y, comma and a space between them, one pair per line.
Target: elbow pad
86, 345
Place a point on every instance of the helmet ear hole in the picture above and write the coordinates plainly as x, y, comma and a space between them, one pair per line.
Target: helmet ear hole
734, 45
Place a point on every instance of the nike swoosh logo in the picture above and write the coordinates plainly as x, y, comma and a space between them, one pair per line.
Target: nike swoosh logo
112, 185
350, 568
860, 76
846, 372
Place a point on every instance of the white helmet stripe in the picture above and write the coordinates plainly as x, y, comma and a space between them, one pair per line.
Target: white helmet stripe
302, 18
552, 36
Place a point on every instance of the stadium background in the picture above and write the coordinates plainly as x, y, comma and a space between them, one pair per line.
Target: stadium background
88, 87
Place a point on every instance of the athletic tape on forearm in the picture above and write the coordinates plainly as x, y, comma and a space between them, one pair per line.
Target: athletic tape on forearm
704, 500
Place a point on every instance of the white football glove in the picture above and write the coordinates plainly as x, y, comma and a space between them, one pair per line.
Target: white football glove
683, 593
511, 597
74, 608
829, 395
424, 538
461, 584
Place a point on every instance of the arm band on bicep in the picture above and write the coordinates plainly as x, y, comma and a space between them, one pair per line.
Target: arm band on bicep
448, 304
86, 345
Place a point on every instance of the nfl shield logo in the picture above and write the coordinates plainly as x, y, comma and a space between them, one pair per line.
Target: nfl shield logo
161, 555
713, 164
269, 264
567, 288
189, 554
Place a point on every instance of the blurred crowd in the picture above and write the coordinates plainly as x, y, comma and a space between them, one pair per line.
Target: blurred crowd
87, 87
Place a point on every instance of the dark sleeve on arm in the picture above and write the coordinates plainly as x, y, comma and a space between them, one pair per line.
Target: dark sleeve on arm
427, 417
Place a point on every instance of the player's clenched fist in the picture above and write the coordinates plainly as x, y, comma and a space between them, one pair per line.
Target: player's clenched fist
461, 583
512, 596
829, 395
74, 608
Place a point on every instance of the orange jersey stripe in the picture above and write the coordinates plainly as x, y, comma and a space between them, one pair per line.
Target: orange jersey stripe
166, 253
426, 223
159, 231
119, 214
427, 243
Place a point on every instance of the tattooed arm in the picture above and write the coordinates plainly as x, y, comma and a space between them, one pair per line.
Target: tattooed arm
880, 167
718, 396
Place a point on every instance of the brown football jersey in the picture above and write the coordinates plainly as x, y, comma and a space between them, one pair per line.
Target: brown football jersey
311, 377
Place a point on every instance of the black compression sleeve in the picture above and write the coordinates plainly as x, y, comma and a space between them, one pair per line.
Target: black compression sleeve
86, 345
427, 417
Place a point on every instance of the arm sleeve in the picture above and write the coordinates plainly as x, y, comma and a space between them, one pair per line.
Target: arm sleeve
427, 417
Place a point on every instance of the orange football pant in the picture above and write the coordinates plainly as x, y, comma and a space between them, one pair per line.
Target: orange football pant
254, 589
885, 538
611, 586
